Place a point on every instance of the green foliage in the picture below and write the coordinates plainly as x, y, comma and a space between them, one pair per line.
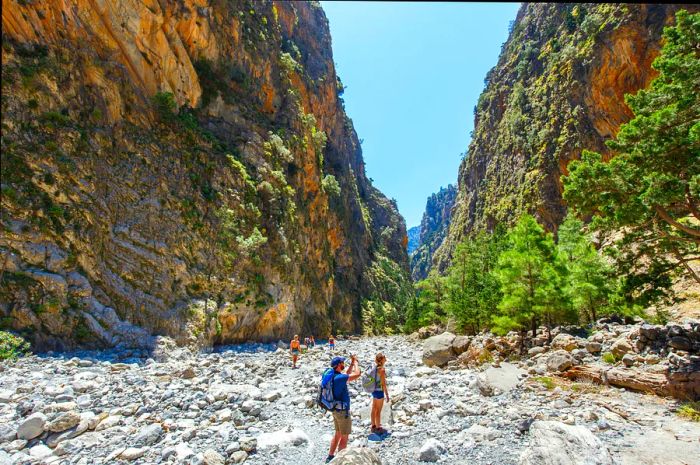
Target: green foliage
546, 381
690, 411
165, 106
531, 279
250, 245
390, 295
432, 299
12, 346
590, 279
608, 357
54, 118
648, 192
474, 290
330, 185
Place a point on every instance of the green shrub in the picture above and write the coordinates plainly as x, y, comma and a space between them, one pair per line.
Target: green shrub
690, 411
609, 358
11, 346
165, 105
546, 381
54, 118
330, 185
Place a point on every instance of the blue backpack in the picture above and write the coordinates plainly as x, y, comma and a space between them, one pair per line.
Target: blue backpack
326, 399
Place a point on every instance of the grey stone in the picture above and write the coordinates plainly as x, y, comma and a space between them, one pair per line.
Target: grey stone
32, 427
239, 456
437, 350
431, 450
680, 343
148, 435
560, 360
357, 456
212, 457
554, 443
64, 421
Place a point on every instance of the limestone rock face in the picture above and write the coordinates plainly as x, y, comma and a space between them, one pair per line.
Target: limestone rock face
558, 88
433, 229
554, 443
183, 169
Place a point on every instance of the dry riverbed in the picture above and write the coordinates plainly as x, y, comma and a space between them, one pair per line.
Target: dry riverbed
252, 407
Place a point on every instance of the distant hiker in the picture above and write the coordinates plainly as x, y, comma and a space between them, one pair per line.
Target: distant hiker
295, 349
312, 342
307, 341
339, 404
375, 380
331, 343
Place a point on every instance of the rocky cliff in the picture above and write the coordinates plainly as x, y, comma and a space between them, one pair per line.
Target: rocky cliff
433, 229
558, 88
413, 239
182, 168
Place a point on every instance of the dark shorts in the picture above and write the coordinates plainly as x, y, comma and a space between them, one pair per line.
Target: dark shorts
378, 394
295, 352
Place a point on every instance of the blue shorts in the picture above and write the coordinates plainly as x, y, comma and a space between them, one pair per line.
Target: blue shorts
378, 394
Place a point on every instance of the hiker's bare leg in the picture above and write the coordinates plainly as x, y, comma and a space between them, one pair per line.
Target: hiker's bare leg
343, 442
377, 405
334, 443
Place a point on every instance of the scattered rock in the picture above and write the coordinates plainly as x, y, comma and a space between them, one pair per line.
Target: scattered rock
431, 450
564, 341
64, 421
559, 361
32, 427
437, 350
132, 453
212, 457
356, 456
621, 347
554, 443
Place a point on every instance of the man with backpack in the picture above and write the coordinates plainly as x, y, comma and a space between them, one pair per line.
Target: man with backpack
335, 397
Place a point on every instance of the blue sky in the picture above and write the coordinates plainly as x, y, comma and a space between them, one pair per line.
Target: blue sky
414, 72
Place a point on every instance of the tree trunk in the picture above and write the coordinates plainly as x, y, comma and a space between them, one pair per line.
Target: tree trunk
682, 385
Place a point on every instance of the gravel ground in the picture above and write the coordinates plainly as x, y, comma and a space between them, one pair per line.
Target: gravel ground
246, 403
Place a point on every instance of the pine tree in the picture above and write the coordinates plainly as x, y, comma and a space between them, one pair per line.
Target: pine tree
649, 191
590, 278
531, 281
474, 290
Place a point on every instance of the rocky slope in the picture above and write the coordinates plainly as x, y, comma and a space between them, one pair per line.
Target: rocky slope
433, 229
231, 407
558, 88
183, 168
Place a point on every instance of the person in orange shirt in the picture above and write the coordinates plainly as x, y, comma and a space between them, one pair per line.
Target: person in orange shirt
295, 349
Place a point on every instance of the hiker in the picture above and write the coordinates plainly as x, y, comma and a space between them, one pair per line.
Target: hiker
295, 349
306, 341
379, 393
331, 343
312, 342
341, 418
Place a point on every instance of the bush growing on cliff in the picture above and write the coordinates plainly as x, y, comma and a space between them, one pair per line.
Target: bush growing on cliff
649, 192
11, 346
330, 185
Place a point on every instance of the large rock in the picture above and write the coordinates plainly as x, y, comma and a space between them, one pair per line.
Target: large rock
282, 438
148, 435
621, 347
438, 350
559, 361
356, 456
64, 421
554, 443
564, 341
32, 427
431, 450
460, 344
497, 380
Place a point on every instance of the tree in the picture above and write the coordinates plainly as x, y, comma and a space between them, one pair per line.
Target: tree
530, 280
590, 278
648, 192
474, 291
432, 299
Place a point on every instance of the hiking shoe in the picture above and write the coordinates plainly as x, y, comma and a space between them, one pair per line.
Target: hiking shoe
329, 458
380, 431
